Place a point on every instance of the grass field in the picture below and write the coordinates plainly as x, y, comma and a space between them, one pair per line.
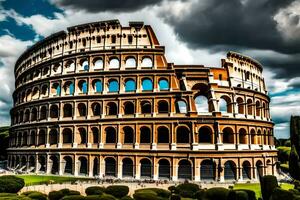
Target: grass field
40, 179
256, 187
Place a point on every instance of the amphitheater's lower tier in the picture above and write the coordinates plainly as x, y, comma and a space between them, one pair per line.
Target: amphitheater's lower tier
210, 165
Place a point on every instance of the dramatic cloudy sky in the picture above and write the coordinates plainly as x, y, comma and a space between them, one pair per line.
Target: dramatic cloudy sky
193, 31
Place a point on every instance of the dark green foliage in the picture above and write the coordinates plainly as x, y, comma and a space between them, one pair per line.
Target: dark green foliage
55, 195
294, 165
281, 194
94, 190
11, 184
189, 187
118, 191
268, 184
127, 198
92, 197
35, 195
107, 197
200, 194
294, 191
172, 188
158, 191
217, 193
251, 193
4, 141
145, 196
175, 197
284, 154
73, 197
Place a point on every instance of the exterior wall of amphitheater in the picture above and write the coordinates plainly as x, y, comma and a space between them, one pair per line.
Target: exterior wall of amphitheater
102, 100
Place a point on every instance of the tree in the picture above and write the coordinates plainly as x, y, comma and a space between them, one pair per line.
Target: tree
294, 164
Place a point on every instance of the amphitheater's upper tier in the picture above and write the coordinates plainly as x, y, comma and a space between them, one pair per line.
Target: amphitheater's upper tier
89, 37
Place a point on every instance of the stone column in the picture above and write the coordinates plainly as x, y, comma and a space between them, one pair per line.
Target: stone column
91, 166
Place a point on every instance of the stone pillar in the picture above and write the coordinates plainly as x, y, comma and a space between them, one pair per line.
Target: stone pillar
91, 165
138, 171
240, 173
155, 169
119, 144
174, 172
49, 164
76, 165
119, 168
37, 164
62, 165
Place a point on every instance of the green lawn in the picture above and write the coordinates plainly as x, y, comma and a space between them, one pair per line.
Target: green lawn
42, 179
256, 187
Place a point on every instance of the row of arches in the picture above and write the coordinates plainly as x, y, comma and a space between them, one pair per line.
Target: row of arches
143, 168
144, 135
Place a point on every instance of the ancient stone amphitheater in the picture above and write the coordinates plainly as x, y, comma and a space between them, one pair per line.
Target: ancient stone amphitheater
101, 100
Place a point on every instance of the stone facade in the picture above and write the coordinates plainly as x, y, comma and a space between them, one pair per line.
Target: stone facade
102, 100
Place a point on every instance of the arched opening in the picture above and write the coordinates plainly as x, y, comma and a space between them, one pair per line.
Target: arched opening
147, 84
243, 136
253, 136
163, 106
31, 164
145, 135
67, 136
229, 170
110, 167
201, 104
163, 135
128, 135
146, 168
205, 135
96, 167
257, 106
147, 62
83, 135
69, 88
184, 170
95, 135
113, 86
81, 109
182, 135
114, 63
98, 63
181, 107
54, 163
164, 169
68, 161
208, 170
23, 163
225, 105
163, 84
32, 140
82, 85
33, 114
246, 171
55, 89
70, 65
110, 133
259, 136
249, 107
228, 135
84, 63
130, 62
96, 109
44, 91
130, 85
83, 166
259, 168
97, 86
53, 135
68, 110
42, 164
43, 113
240, 104
54, 111
146, 107
42, 137
112, 108
27, 114
128, 108
127, 167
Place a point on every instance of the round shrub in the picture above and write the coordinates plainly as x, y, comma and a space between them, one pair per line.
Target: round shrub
268, 183
127, 198
92, 197
94, 190
11, 184
250, 193
175, 197
35, 195
107, 197
55, 195
145, 196
172, 188
158, 191
217, 193
200, 194
187, 188
118, 191
241, 195
73, 197
281, 194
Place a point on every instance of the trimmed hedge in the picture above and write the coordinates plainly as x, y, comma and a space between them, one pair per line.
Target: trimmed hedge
187, 187
35, 195
73, 197
92, 197
251, 193
107, 197
281, 194
94, 190
69, 192
11, 184
145, 196
158, 191
127, 198
55, 195
118, 191
175, 197
268, 184
217, 193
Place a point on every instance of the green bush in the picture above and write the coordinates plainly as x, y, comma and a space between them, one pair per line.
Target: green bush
158, 191
188, 187
127, 198
199, 194
69, 192
145, 196
73, 197
251, 193
55, 195
268, 184
107, 197
172, 188
175, 197
217, 193
11, 184
92, 197
94, 190
281, 194
35, 195
118, 191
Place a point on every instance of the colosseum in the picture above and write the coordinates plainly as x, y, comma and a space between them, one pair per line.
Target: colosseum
101, 100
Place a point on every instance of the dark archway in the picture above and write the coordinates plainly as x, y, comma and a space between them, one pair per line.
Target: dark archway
96, 109
162, 135
182, 135
127, 168
128, 135
54, 163
43, 113
146, 168
205, 135
112, 108
82, 110
163, 106
83, 169
184, 170
67, 136
246, 170
228, 135
145, 135
128, 108
111, 136
95, 135
53, 135
146, 107
208, 170
110, 167
83, 135
164, 169
68, 165
96, 167
54, 111
230, 170
68, 110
